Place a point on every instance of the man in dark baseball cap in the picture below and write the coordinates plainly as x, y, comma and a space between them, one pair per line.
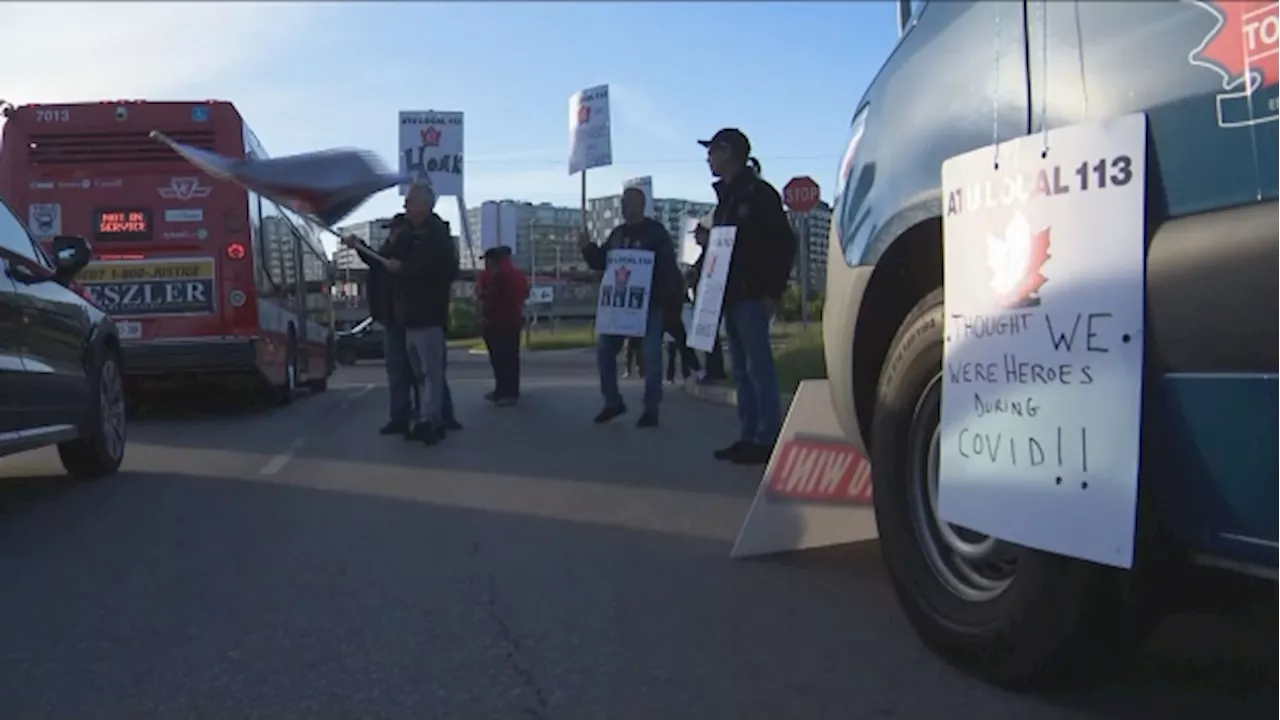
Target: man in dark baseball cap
731, 139
759, 268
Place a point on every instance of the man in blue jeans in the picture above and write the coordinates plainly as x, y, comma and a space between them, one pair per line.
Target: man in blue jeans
759, 270
637, 232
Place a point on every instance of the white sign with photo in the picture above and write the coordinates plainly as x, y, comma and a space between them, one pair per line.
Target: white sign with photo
1044, 261
431, 145
710, 300
590, 136
623, 306
645, 185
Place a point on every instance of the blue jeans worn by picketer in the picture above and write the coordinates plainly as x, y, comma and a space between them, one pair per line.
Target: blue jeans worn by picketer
399, 375
607, 348
759, 404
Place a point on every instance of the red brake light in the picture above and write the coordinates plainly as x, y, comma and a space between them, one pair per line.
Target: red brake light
235, 251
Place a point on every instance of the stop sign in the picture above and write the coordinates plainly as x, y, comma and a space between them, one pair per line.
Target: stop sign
801, 194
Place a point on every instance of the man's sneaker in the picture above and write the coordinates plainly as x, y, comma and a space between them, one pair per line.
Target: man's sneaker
610, 412
729, 452
648, 419
752, 454
395, 427
452, 425
491, 396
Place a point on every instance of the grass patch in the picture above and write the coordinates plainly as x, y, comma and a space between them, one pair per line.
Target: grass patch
566, 338
800, 358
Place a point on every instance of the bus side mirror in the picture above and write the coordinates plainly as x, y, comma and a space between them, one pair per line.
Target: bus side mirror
71, 254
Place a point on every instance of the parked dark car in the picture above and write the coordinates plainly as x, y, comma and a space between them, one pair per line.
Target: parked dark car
60, 380
362, 342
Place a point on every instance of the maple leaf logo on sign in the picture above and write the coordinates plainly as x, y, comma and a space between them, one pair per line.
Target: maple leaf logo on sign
431, 137
1016, 261
1242, 49
622, 275
584, 114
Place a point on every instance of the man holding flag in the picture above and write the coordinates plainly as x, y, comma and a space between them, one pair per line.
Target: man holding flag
421, 262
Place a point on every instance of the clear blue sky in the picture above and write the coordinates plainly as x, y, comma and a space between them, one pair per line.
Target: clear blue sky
336, 74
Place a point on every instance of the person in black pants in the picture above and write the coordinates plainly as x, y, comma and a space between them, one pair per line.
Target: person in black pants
673, 322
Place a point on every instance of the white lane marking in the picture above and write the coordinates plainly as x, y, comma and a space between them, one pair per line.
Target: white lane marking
277, 463
349, 400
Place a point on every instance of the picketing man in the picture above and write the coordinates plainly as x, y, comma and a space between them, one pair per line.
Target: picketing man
759, 270
637, 232
418, 266
502, 290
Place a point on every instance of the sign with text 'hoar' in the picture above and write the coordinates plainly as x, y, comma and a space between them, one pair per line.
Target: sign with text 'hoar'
1044, 266
431, 145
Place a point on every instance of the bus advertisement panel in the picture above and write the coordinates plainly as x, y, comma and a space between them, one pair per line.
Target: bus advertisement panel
202, 276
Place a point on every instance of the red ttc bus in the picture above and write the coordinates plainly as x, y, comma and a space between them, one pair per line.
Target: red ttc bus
203, 277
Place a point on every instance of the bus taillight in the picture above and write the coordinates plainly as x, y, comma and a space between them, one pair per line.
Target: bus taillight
235, 251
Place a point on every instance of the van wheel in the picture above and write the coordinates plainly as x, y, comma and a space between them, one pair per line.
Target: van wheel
1006, 613
347, 356
99, 450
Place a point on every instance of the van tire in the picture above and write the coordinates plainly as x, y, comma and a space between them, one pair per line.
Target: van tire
100, 448
1059, 621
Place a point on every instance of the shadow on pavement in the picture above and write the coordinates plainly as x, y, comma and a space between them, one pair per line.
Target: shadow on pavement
183, 595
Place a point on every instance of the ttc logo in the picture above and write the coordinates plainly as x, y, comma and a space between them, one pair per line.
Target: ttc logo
1242, 49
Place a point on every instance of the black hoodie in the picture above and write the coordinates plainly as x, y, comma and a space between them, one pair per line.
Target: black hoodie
765, 246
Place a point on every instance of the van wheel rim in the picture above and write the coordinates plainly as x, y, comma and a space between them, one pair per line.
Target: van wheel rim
111, 404
973, 567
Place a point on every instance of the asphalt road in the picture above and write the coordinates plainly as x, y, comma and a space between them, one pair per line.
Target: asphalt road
291, 563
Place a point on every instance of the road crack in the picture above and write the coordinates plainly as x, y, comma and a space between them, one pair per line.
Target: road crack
510, 646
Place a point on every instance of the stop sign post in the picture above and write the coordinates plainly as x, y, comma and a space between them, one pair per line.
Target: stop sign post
801, 195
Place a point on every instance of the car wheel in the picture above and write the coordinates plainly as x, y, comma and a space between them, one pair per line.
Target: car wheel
1006, 613
99, 450
347, 356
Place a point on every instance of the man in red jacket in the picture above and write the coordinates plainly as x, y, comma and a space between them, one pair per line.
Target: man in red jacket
502, 290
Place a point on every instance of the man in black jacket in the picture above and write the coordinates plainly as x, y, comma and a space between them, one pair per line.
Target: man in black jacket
759, 269
636, 233
421, 263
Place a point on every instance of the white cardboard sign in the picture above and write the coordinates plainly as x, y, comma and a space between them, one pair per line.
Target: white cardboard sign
1044, 263
816, 489
590, 134
431, 144
645, 185
625, 289
710, 299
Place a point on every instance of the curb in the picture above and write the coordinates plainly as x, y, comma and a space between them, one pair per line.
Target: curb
722, 394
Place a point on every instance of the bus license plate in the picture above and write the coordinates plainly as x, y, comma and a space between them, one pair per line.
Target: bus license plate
129, 329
